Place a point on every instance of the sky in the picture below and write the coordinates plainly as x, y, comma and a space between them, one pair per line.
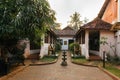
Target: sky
65, 8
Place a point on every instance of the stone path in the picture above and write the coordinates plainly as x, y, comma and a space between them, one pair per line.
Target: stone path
58, 72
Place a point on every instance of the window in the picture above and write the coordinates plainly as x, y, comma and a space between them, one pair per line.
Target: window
65, 42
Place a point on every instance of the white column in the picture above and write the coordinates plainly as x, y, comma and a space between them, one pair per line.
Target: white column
86, 47
118, 10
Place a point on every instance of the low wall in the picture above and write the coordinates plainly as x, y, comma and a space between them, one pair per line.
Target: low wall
44, 50
84, 51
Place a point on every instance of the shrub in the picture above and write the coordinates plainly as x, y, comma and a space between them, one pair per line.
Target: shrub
72, 46
57, 47
113, 59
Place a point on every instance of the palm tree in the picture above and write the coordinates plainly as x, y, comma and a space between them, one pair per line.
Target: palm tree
85, 20
75, 21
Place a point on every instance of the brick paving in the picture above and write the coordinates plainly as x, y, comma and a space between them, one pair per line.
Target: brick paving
58, 72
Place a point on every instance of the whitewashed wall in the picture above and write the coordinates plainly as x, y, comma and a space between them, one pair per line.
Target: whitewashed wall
86, 45
44, 47
117, 35
110, 40
44, 50
65, 47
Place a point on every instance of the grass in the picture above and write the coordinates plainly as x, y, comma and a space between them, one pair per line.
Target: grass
48, 58
108, 66
79, 59
113, 70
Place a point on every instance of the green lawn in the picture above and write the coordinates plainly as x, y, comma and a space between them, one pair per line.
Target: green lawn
108, 66
113, 70
48, 58
80, 59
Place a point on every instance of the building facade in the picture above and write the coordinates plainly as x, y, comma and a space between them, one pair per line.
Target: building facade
66, 37
110, 12
91, 34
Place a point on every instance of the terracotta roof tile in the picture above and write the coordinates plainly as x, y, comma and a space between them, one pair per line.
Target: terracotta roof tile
98, 24
67, 31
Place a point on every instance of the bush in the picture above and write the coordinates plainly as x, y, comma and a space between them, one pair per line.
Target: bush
72, 45
57, 47
113, 59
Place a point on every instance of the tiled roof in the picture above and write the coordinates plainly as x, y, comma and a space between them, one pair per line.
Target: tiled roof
116, 26
52, 32
97, 24
67, 31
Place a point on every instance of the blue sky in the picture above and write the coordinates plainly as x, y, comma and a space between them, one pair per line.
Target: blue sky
65, 8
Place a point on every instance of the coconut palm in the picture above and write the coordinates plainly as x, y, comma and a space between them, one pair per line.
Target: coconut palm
75, 21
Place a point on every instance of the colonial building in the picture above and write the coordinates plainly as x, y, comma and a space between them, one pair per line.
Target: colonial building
100, 28
110, 12
48, 39
92, 33
106, 26
66, 37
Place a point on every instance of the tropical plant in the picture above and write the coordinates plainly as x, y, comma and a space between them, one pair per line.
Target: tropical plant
75, 21
85, 20
24, 19
103, 41
57, 47
72, 47
34, 18
8, 11
113, 59
56, 26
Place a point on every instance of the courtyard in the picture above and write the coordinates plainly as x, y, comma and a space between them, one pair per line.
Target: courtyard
57, 72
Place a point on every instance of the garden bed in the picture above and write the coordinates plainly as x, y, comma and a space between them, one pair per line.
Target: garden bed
48, 58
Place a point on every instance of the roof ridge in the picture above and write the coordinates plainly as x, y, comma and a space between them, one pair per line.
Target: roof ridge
100, 14
67, 27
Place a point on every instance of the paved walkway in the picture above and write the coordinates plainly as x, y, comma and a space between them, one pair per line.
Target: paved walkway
58, 72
